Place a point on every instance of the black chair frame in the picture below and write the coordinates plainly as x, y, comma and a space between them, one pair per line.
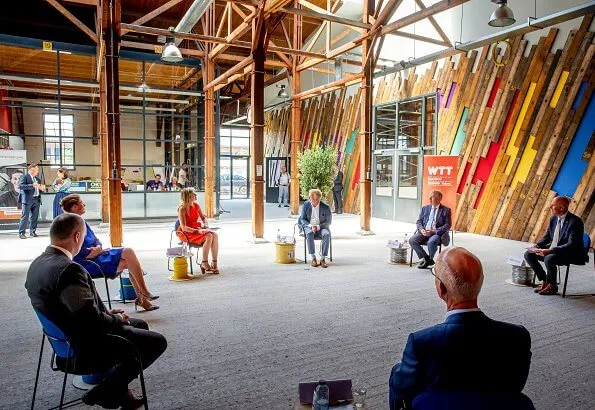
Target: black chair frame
452, 239
105, 278
568, 271
303, 235
67, 370
190, 246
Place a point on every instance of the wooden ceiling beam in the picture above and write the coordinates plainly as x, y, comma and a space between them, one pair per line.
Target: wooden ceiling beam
216, 40
333, 85
436, 8
235, 34
82, 2
420, 38
233, 70
328, 16
435, 24
74, 20
149, 16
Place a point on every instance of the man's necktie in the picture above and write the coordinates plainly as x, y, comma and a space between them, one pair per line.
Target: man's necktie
556, 234
430, 222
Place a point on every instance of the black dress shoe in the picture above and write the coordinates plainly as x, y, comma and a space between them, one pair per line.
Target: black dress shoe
423, 264
97, 396
22, 236
279, 206
33, 235
131, 402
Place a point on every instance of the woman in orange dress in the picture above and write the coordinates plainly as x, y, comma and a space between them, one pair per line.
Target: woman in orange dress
194, 229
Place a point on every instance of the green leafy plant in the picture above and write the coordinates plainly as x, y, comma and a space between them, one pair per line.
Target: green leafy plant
317, 170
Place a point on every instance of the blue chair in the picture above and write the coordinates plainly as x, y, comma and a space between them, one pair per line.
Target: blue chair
472, 401
173, 234
587, 246
64, 360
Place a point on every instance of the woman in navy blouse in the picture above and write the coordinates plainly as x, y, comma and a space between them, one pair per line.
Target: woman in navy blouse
112, 260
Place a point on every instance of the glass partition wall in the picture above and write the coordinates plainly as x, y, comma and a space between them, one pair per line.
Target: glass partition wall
55, 107
404, 131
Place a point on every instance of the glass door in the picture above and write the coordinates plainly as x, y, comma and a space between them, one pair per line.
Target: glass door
408, 186
383, 186
240, 177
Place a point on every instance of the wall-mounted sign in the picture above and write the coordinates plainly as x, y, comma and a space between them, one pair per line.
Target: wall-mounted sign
47, 46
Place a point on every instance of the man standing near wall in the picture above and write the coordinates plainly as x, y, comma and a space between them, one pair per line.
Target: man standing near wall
283, 181
30, 201
338, 191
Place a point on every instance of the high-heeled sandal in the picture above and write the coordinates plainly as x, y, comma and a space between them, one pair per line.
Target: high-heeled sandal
142, 302
205, 267
215, 268
150, 296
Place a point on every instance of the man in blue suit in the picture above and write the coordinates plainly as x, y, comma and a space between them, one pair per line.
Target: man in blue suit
30, 201
433, 225
562, 244
315, 219
469, 352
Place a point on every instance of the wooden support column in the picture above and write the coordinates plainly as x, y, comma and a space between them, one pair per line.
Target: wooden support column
112, 40
366, 125
296, 115
209, 76
105, 168
257, 124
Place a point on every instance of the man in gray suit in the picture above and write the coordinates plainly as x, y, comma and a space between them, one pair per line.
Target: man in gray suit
315, 220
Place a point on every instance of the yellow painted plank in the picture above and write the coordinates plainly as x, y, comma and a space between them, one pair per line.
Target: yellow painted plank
559, 88
526, 162
511, 150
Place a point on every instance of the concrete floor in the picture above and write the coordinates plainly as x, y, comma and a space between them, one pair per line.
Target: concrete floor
245, 338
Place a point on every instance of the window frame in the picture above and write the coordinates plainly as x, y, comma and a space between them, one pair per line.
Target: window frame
61, 140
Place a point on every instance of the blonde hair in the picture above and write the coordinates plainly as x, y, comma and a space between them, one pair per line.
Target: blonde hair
316, 192
187, 197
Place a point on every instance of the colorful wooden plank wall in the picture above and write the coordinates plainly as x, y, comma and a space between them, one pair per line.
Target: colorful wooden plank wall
524, 132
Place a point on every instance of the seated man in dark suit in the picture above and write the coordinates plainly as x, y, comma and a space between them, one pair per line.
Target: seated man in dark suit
315, 220
562, 244
469, 352
64, 292
433, 225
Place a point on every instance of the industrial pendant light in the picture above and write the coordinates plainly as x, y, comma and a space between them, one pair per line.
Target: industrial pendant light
502, 16
171, 53
282, 92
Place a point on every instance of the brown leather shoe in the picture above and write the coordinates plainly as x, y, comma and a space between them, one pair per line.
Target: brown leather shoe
549, 289
323, 263
539, 287
315, 263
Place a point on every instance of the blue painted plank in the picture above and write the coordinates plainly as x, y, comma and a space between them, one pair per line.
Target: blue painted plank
574, 167
461, 135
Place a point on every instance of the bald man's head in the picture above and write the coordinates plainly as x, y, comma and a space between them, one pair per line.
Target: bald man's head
560, 205
461, 274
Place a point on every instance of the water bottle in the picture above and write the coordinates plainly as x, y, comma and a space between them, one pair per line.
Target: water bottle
320, 400
278, 235
405, 242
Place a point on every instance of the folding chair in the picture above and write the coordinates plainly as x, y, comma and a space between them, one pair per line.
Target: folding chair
187, 242
439, 246
587, 246
316, 237
105, 278
64, 360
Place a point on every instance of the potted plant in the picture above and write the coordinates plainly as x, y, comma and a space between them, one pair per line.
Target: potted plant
317, 170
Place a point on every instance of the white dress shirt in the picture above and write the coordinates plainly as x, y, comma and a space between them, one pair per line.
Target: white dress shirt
455, 311
431, 224
557, 230
283, 179
66, 252
315, 217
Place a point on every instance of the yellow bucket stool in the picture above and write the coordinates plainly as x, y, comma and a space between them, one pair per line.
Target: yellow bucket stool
285, 253
180, 269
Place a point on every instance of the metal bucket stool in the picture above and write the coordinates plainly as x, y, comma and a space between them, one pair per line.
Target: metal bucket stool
521, 276
398, 256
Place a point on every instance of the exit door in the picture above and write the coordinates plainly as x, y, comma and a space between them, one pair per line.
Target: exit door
273, 169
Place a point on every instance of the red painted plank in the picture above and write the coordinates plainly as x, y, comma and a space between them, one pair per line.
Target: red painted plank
494, 92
